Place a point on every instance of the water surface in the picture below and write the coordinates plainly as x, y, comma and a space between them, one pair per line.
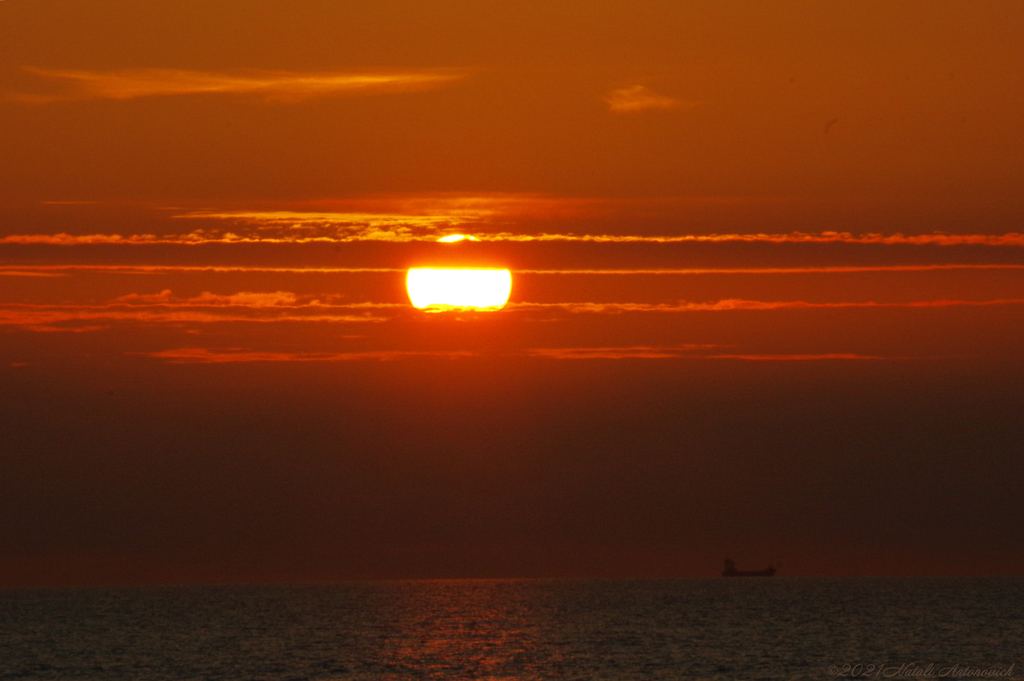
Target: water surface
780, 628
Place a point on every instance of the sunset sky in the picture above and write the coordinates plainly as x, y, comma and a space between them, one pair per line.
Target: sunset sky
767, 289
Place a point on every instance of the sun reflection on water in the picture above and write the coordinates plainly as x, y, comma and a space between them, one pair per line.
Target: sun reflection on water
481, 630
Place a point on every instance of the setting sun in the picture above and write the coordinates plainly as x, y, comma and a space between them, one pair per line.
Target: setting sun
764, 256
463, 288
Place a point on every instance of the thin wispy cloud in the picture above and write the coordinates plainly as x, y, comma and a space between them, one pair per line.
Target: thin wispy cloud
326, 226
243, 299
65, 270
678, 352
233, 355
284, 227
636, 98
821, 269
27, 273
629, 352
196, 355
280, 86
493, 218
31, 319
207, 308
937, 239
801, 358
248, 299
286, 307
735, 304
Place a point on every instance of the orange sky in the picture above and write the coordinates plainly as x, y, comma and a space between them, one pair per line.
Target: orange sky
766, 258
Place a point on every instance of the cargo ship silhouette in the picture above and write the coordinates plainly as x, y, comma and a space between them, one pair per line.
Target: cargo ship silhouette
731, 571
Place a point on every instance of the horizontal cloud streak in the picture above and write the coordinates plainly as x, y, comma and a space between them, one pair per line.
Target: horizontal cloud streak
282, 86
63, 270
799, 358
673, 352
242, 355
637, 98
937, 239
204, 309
630, 352
823, 269
283, 227
281, 306
241, 299
295, 226
27, 273
227, 355
737, 304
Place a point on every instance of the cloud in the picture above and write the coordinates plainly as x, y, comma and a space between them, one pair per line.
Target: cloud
63, 270
63, 239
279, 306
630, 352
226, 355
677, 351
237, 355
821, 269
64, 329
241, 299
735, 304
404, 218
935, 239
281, 86
291, 227
638, 98
165, 308
797, 358
27, 273
68, 269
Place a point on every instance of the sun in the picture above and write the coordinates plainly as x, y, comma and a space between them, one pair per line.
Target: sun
478, 289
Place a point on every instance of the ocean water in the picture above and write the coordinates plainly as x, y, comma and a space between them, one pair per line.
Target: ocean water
778, 628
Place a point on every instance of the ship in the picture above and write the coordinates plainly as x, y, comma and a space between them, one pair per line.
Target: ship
731, 571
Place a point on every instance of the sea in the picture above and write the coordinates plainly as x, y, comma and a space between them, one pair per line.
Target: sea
724, 628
